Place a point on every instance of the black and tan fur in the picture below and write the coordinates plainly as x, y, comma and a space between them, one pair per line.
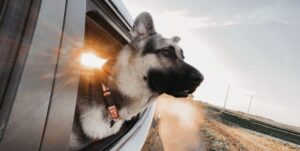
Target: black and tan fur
144, 69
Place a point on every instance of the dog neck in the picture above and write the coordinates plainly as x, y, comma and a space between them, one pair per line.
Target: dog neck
126, 79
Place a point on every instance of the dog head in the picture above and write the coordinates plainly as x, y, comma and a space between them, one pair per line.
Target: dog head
161, 61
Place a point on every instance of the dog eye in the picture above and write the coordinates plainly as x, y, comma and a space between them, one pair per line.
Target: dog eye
166, 52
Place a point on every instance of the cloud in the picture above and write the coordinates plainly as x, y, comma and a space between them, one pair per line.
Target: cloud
234, 11
251, 45
254, 52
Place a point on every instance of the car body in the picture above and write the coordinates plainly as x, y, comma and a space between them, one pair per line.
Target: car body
38, 39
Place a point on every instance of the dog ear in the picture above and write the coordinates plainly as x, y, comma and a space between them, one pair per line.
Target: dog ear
175, 39
143, 26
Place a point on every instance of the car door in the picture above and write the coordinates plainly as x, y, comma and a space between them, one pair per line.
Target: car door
39, 42
36, 37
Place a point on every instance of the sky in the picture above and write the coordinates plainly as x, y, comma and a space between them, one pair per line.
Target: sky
250, 46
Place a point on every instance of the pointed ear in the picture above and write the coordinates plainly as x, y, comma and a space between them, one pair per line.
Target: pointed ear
175, 39
143, 26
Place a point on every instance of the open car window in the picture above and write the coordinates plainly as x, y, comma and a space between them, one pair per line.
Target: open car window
104, 42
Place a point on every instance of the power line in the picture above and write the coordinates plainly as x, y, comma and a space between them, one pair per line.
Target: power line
228, 88
250, 103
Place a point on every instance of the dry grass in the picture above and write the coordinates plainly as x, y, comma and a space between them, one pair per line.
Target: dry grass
223, 137
178, 130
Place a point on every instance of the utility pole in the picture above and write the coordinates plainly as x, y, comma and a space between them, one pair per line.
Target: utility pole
250, 103
228, 88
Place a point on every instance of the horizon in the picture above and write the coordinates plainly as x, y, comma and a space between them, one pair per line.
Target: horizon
249, 46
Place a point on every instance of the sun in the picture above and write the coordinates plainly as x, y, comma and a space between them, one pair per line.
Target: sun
90, 60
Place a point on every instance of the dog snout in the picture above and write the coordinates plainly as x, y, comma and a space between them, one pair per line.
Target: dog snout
196, 78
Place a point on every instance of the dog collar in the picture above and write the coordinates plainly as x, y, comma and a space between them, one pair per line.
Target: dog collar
110, 107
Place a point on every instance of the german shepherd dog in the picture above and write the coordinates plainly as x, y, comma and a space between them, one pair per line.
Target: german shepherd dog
147, 67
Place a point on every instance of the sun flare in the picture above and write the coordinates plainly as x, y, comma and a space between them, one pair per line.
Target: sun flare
90, 60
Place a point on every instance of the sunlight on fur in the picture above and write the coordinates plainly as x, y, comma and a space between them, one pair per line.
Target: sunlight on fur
180, 121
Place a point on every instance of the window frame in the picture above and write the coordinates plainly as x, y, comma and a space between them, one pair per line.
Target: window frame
63, 99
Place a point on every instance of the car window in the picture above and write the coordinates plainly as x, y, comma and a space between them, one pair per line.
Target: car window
104, 45
99, 39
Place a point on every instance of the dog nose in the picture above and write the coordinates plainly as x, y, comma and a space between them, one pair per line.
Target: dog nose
196, 78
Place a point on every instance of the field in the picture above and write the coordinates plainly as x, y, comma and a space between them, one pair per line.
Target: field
182, 125
224, 137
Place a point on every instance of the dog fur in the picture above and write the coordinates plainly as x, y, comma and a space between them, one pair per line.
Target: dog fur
144, 69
